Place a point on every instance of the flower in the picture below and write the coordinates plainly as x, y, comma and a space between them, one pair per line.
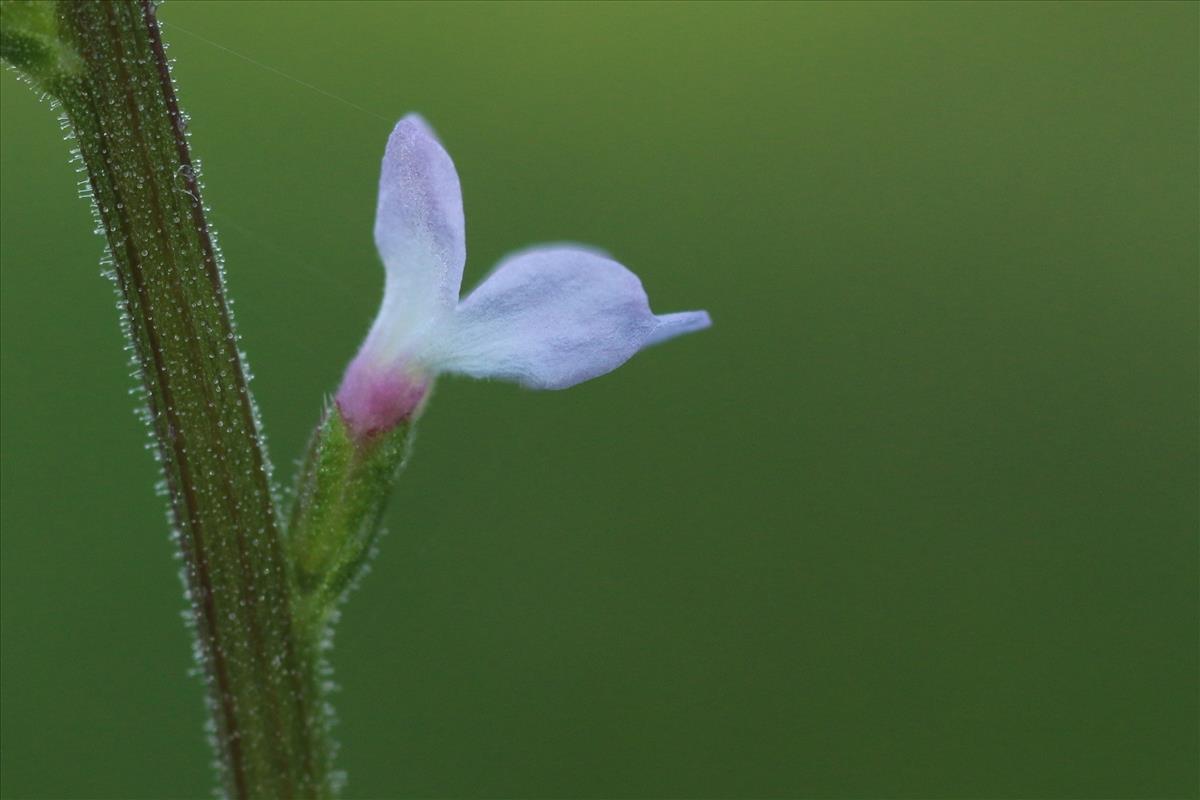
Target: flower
547, 317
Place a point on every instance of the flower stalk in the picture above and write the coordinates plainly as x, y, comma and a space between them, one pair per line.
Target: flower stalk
103, 62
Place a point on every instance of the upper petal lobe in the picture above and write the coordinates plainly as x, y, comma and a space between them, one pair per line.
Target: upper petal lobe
419, 227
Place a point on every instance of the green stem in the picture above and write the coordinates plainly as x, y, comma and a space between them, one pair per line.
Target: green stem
115, 86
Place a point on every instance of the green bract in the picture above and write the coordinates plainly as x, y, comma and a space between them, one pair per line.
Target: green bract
31, 42
340, 497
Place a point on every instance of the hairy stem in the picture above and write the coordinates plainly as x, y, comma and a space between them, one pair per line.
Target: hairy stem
116, 90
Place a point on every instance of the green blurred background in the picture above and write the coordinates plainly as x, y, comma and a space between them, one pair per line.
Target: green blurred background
916, 518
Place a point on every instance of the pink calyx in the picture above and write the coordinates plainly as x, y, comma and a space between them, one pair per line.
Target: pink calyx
375, 399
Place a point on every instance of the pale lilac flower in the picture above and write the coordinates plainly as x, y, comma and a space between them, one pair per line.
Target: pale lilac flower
548, 317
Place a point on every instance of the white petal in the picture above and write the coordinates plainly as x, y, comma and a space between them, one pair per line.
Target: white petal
419, 231
672, 325
551, 317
